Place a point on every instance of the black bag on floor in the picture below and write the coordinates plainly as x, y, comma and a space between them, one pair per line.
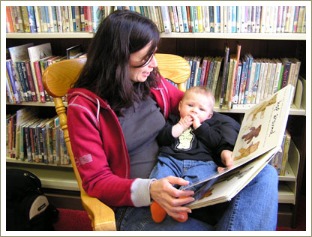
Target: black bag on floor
27, 207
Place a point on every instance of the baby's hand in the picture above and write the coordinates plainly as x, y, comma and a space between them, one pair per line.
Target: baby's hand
181, 126
186, 122
196, 123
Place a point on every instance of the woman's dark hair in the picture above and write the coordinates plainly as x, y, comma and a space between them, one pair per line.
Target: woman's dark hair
106, 72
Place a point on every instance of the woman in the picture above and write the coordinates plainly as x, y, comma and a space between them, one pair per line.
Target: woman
115, 111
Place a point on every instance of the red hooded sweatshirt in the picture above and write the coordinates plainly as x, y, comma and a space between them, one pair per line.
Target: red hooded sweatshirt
100, 149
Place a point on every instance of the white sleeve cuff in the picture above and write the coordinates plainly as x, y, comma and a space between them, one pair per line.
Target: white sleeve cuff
140, 192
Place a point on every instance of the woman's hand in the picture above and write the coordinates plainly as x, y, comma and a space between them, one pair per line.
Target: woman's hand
227, 160
170, 198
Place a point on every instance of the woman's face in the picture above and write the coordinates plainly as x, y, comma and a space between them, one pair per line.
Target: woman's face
140, 65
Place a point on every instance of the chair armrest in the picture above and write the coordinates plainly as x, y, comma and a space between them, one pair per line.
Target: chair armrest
102, 216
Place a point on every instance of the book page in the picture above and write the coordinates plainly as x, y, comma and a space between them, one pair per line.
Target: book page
263, 126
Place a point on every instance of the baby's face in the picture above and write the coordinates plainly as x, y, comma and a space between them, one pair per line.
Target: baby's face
196, 105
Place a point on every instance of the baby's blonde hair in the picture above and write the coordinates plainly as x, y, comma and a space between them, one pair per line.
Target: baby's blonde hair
204, 91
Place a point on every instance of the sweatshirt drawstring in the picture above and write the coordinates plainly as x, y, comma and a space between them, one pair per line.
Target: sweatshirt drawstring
98, 110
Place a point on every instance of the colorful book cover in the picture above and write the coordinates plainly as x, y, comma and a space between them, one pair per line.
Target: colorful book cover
259, 139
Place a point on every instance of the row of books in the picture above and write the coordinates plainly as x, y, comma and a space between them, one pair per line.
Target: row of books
234, 19
280, 159
217, 19
246, 80
33, 139
235, 81
24, 68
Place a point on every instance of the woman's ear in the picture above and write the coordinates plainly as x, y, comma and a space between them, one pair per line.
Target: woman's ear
210, 115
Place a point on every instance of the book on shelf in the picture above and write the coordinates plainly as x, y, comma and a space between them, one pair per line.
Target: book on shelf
232, 87
74, 51
285, 150
303, 95
225, 73
12, 81
259, 139
36, 53
18, 55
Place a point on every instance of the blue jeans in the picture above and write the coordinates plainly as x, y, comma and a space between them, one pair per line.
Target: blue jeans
253, 209
190, 170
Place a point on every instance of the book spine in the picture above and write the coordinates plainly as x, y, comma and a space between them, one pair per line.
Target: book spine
285, 153
176, 19
200, 19
30, 81
38, 18
171, 18
32, 19
27, 143
224, 76
166, 19
242, 82
234, 76
184, 19
300, 19
25, 19
77, 18
22, 147
10, 28
206, 19
39, 81
217, 19
256, 83
32, 143
225, 19
229, 80
9, 92
26, 80
210, 72
286, 72
204, 67
14, 84
17, 19
211, 19
237, 84
216, 75
180, 18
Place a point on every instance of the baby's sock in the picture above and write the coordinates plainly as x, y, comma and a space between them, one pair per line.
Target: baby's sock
159, 214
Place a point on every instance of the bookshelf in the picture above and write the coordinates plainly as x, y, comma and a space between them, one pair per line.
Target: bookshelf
259, 44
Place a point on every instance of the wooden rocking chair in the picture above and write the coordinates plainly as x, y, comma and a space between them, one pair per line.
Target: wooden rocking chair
58, 78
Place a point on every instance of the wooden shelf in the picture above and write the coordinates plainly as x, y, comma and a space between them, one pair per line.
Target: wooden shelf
52, 177
46, 104
252, 36
242, 109
65, 35
285, 194
289, 175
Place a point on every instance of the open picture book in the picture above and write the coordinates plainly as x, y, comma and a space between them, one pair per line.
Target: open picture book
259, 139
